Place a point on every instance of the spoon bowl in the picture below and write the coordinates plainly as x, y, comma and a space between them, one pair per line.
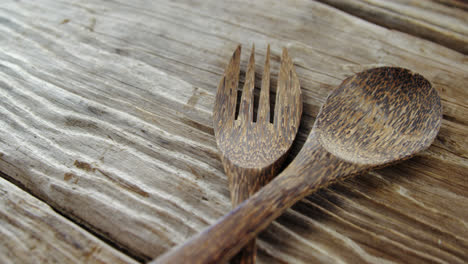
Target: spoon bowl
378, 116
374, 118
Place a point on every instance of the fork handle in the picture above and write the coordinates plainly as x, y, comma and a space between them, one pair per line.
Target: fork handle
242, 187
243, 183
247, 254
313, 168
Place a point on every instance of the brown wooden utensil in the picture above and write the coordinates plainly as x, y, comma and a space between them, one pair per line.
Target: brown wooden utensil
372, 119
252, 151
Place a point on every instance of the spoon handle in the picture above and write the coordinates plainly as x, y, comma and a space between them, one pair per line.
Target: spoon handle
221, 241
225, 238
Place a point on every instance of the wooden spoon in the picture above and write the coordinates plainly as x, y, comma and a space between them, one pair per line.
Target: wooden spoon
372, 119
252, 152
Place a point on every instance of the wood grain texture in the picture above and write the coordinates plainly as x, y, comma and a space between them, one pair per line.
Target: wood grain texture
31, 232
106, 114
374, 118
444, 22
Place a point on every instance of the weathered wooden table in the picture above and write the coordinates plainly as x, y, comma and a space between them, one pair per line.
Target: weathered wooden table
107, 150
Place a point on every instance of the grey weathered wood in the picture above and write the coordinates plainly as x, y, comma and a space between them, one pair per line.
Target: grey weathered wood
31, 232
106, 115
444, 22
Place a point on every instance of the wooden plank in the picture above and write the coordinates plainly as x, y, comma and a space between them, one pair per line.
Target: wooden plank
31, 232
444, 22
106, 115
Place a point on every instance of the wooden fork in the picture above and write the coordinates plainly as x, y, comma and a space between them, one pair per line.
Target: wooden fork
252, 152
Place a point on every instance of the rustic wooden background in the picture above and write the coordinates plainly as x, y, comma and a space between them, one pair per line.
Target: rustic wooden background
107, 152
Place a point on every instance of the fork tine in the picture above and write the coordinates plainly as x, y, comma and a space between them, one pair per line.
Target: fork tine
226, 96
295, 97
288, 96
246, 106
283, 82
264, 104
